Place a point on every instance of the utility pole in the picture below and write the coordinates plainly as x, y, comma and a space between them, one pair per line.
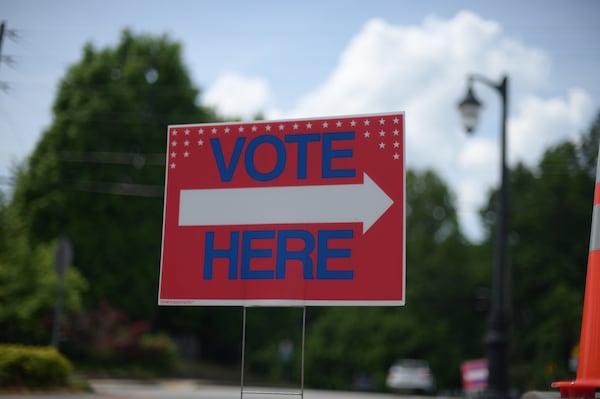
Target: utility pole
3, 85
2, 24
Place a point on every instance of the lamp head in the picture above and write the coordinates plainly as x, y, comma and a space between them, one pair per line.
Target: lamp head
469, 110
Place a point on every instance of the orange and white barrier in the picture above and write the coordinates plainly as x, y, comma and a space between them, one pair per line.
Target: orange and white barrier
588, 369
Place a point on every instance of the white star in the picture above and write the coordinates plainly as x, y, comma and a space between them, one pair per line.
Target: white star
227, 130
396, 132
308, 125
268, 128
367, 134
382, 145
338, 124
325, 125
254, 128
174, 132
396, 156
174, 144
187, 132
281, 127
353, 123
367, 122
200, 131
214, 130
173, 165
396, 144
186, 154
241, 129
381, 133
173, 154
186, 143
382, 121
200, 142
295, 126
396, 120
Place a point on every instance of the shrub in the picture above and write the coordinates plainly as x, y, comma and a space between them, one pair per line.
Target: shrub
33, 367
158, 352
107, 338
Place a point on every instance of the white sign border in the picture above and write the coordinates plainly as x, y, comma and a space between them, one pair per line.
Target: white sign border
285, 302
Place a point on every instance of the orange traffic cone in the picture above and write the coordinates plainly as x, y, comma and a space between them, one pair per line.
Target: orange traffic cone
588, 368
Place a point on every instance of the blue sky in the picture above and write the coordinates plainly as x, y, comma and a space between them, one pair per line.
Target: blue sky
318, 58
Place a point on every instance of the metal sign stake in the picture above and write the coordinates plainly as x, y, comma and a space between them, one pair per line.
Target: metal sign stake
243, 367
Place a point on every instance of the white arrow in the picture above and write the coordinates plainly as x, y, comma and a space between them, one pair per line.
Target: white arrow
339, 203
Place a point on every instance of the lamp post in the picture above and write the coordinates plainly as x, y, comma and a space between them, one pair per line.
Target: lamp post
497, 336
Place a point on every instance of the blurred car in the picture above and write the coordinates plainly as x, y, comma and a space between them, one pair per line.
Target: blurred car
411, 375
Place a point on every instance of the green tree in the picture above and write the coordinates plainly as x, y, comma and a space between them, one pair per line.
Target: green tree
549, 228
97, 173
28, 283
439, 322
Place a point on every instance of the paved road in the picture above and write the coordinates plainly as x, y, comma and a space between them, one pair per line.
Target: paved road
184, 389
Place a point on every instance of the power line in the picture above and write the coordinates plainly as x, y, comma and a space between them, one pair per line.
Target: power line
122, 158
128, 189
138, 161
2, 24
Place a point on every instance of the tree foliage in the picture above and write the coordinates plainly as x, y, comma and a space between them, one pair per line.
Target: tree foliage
28, 284
549, 231
439, 322
97, 174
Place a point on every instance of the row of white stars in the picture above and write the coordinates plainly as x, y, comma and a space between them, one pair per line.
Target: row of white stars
282, 126
186, 143
366, 134
186, 154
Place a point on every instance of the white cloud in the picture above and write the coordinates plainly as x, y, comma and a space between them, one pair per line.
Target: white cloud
239, 96
422, 70
479, 166
476, 154
545, 122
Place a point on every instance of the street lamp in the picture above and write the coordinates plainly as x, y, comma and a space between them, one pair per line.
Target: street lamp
469, 110
497, 336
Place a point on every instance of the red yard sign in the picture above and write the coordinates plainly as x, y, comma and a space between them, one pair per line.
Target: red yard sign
291, 212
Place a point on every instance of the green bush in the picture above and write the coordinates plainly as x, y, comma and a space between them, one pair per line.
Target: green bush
158, 353
32, 367
106, 338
